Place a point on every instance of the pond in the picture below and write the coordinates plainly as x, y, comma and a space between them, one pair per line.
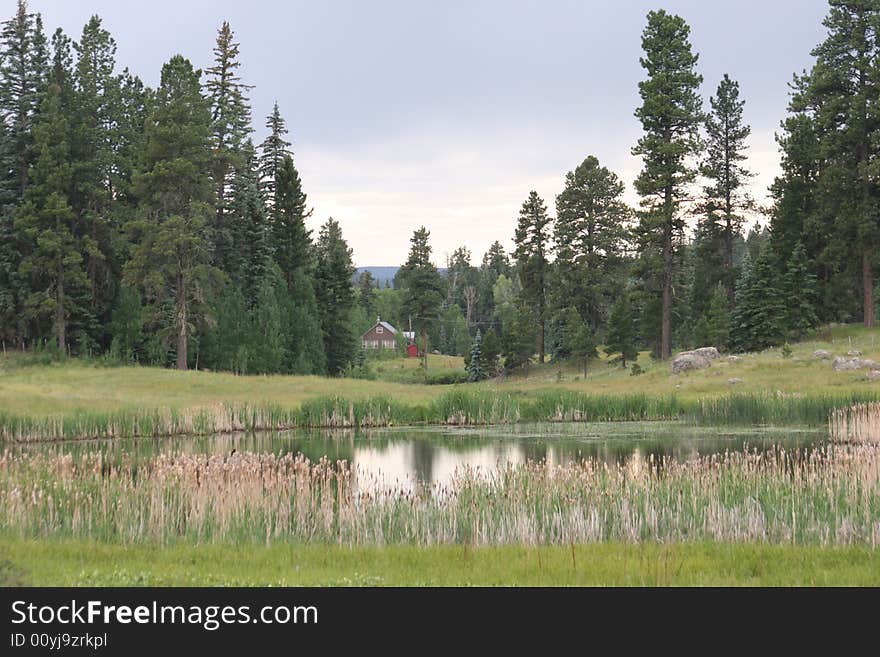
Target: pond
430, 455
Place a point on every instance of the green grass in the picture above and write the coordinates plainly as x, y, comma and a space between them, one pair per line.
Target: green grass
86, 563
81, 399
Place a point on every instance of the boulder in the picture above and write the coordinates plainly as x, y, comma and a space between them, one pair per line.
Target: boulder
733, 359
874, 375
689, 360
821, 354
735, 382
707, 352
841, 364
853, 353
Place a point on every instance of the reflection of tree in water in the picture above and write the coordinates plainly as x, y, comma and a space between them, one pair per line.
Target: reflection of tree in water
534, 450
423, 461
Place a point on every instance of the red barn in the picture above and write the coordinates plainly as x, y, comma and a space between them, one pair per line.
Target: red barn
412, 351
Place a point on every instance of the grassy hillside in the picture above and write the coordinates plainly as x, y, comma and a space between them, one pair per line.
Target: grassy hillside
73, 385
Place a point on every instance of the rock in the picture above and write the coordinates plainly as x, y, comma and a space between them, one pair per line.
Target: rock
821, 354
733, 359
707, 352
853, 352
735, 382
689, 360
841, 364
874, 375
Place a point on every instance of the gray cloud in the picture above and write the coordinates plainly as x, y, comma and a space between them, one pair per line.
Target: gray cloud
447, 114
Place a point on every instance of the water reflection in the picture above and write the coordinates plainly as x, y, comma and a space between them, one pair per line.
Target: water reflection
406, 457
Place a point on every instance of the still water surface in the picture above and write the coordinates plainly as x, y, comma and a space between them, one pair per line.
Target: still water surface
430, 455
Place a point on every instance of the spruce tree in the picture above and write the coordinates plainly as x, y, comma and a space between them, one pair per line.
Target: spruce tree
718, 319
230, 128
171, 254
800, 294
291, 240
532, 240
23, 70
54, 263
723, 167
589, 234
671, 115
578, 338
421, 286
621, 335
475, 362
490, 350
335, 297
273, 151
95, 161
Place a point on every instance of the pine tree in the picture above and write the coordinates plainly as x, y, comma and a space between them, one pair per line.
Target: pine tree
96, 93
249, 261
475, 362
845, 89
367, 292
621, 335
273, 152
23, 69
335, 297
532, 252
54, 261
171, 255
800, 294
589, 234
421, 286
230, 128
578, 338
490, 350
759, 318
670, 115
127, 325
291, 240
718, 320
725, 152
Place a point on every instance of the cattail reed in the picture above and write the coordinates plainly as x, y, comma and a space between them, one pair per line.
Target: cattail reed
459, 406
819, 496
857, 424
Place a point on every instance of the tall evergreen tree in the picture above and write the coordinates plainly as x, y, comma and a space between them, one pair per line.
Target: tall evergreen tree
670, 115
171, 256
96, 94
23, 70
475, 361
250, 260
723, 167
273, 151
532, 252
54, 261
760, 318
589, 236
335, 296
230, 128
800, 292
421, 285
291, 239
621, 335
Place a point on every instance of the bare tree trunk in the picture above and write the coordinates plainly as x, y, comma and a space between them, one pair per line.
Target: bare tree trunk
60, 322
868, 284
666, 327
181, 323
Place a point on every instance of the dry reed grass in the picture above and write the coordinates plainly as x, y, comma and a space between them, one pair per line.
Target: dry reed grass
822, 496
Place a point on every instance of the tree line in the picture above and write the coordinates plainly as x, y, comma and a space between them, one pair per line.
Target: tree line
148, 225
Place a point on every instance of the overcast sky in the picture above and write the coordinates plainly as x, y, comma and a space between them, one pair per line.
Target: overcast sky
446, 114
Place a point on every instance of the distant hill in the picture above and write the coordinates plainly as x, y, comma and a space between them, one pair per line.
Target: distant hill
381, 274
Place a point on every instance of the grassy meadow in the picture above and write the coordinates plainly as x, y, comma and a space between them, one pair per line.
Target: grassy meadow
88, 563
776, 517
78, 399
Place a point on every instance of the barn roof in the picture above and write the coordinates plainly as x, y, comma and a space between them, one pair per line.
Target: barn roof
384, 325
